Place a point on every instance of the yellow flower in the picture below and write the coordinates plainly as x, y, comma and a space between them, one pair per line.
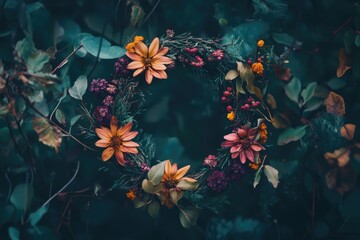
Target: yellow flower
260, 43
131, 194
117, 141
257, 68
138, 39
231, 116
130, 47
150, 59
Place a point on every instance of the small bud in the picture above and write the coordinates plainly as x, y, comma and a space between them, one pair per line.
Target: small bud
229, 108
227, 93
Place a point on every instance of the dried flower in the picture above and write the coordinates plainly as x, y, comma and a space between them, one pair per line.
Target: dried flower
117, 141
108, 100
170, 33
98, 85
243, 144
102, 114
231, 116
210, 161
260, 43
131, 194
121, 67
111, 89
152, 60
217, 181
257, 68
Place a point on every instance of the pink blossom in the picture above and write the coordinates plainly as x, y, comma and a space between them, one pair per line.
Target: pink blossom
210, 161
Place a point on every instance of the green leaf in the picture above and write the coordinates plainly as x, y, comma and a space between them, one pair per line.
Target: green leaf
293, 88
308, 92
22, 196
60, 116
5, 135
336, 83
153, 209
91, 44
6, 213
357, 40
36, 216
188, 216
37, 61
283, 38
14, 233
156, 173
291, 134
257, 176
313, 104
272, 175
78, 90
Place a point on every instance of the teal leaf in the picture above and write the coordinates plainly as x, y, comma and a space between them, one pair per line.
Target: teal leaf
37, 61
308, 92
6, 213
14, 233
313, 104
60, 116
91, 44
336, 83
78, 90
156, 172
291, 134
188, 216
36, 216
283, 38
257, 176
22, 196
272, 175
293, 88
357, 40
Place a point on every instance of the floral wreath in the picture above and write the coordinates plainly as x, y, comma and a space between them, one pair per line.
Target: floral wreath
164, 183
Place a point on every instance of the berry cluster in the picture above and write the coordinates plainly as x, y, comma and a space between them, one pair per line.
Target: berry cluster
250, 103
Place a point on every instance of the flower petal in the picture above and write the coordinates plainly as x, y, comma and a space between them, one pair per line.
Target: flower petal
174, 169
113, 125
242, 157
129, 150
234, 155
134, 56
187, 184
231, 137
124, 129
235, 149
103, 133
158, 66
181, 172
138, 71
103, 143
129, 136
163, 51
148, 76
256, 147
135, 65
154, 47
227, 144
163, 60
167, 171
231, 75
141, 49
242, 132
250, 155
107, 153
120, 157
176, 195
130, 144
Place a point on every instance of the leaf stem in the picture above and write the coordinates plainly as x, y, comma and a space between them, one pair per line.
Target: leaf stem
66, 59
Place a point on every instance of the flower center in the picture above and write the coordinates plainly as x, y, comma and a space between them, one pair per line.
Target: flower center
147, 62
116, 142
170, 183
246, 144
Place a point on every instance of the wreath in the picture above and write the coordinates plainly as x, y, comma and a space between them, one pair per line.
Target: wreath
129, 155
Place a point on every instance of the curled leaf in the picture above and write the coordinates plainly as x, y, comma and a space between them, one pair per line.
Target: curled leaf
335, 104
348, 131
48, 134
344, 63
340, 157
272, 175
271, 101
231, 75
188, 216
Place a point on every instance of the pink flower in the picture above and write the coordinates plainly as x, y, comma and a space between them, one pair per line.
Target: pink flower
243, 144
210, 161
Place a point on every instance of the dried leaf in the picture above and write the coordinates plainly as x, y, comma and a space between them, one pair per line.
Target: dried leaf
344, 63
188, 216
271, 101
272, 175
341, 180
279, 120
340, 157
48, 134
335, 104
231, 75
348, 131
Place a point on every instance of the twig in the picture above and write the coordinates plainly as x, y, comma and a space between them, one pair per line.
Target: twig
62, 189
66, 59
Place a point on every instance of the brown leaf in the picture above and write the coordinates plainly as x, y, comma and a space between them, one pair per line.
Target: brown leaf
48, 134
344, 63
335, 104
348, 131
279, 120
341, 180
271, 101
340, 157
283, 73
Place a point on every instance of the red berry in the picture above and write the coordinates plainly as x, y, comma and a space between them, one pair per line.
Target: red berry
227, 93
247, 106
223, 99
229, 108
229, 89
249, 61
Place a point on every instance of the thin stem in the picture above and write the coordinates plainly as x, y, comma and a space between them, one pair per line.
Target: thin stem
66, 59
262, 114
62, 189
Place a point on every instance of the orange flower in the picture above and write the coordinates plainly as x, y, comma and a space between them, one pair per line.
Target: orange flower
263, 133
260, 43
257, 68
116, 141
152, 60
131, 194
130, 47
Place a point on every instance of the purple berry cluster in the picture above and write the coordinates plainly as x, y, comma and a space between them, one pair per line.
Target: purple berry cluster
236, 171
121, 67
217, 181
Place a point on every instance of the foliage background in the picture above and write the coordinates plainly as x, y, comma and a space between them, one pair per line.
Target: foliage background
186, 119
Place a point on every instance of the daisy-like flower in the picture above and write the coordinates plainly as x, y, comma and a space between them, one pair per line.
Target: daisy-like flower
243, 144
117, 141
152, 60
172, 184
